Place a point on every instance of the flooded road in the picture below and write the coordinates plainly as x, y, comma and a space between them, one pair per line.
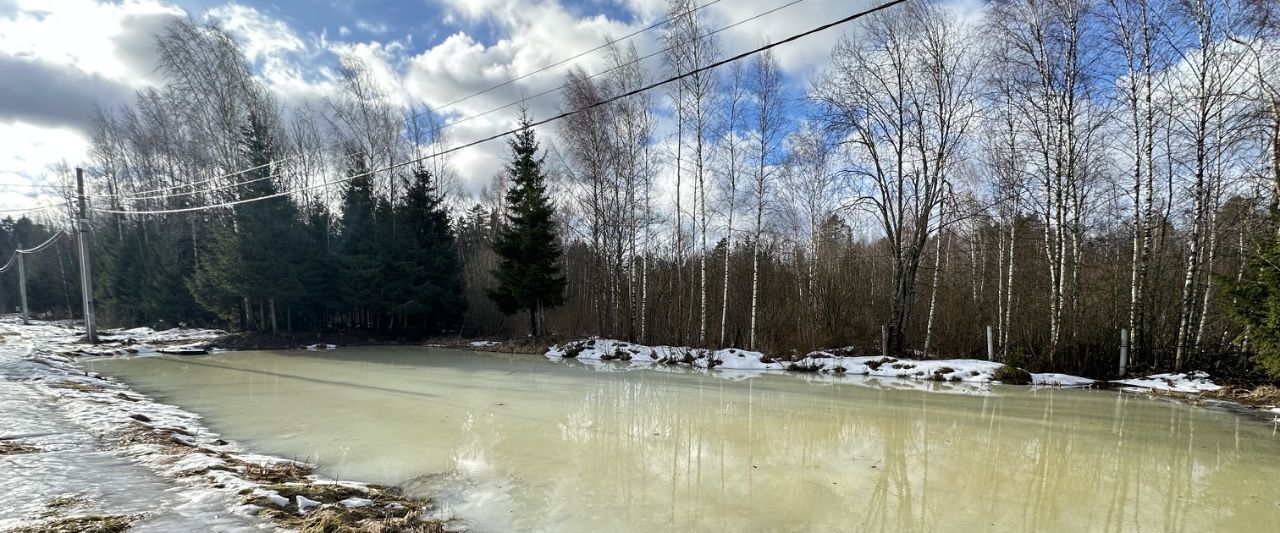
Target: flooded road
524, 443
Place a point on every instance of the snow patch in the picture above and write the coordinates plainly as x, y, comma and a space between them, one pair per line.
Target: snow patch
305, 503
629, 355
273, 497
1194, 382
159, 459
355, 503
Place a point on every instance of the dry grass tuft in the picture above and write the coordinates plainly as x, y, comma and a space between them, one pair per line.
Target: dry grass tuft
77, 386
1012, 375
940, 374
1260, 396
277, 473
876, 363
342, 520
389, 511
16, 448
81, 524
62, 502
812, 365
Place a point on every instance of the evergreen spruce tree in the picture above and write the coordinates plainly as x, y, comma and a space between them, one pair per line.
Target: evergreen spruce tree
217, 283
358, 259
430, 269
528, 272
317, 270
1254, 301
270, 232
255, 259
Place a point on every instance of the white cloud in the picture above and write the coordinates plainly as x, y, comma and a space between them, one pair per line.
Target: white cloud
38, 150
110, 40
114, 43
67, 55
260, 36
372, 28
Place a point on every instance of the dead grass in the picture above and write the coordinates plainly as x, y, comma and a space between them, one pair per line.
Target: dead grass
275, 473
940, 374
812, 365
388, 512
81, 524
59, 505
1009, 375
1260, 396
876, 363
16, 448
139, 433
342, 520
77, 386
62, 502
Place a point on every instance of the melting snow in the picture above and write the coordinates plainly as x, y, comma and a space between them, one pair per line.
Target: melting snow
1193, 382
735, 361
105, 444
355, 503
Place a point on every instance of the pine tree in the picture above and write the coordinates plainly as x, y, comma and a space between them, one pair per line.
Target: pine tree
528, 272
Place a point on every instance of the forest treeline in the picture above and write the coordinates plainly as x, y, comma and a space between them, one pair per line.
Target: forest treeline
1056, 170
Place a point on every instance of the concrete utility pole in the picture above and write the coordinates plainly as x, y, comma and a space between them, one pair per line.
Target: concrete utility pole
86, 278
22, 284
884, 340
1124, 352
991, 344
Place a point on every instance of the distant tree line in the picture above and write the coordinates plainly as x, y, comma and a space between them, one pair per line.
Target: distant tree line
1056, 170
53, 282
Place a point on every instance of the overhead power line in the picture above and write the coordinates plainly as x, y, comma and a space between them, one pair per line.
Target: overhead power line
542, 69
560, 116
31, 209
32, 250
144, 196
35, 185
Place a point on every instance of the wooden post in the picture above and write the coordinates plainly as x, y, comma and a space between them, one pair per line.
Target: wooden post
884, 340
991, 344
1124, 351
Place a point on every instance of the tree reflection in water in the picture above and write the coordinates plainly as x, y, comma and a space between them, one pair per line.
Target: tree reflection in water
523, 443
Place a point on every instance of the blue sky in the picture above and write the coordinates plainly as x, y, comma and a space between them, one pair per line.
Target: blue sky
69, 55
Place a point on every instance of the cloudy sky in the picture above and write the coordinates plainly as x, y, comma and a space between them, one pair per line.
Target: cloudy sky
60, 58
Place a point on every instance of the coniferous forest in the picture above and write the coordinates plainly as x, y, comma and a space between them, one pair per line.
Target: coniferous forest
1058, 171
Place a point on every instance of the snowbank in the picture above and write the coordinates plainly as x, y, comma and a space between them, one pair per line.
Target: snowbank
628, 355
1194, 382
127, 432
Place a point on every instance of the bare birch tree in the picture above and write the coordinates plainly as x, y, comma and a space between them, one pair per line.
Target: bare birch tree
902, 92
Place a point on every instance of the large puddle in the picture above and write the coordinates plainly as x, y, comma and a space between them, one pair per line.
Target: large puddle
527, 444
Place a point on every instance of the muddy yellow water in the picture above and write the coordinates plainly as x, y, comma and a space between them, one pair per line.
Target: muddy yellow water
521, 443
